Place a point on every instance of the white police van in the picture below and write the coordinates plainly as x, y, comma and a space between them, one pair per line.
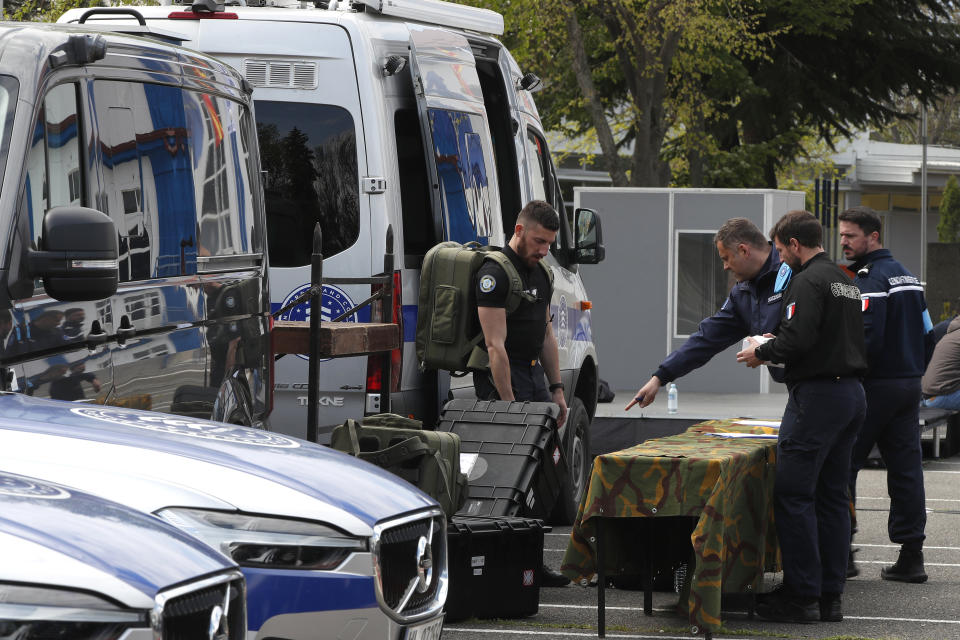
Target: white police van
406, 114
76, 566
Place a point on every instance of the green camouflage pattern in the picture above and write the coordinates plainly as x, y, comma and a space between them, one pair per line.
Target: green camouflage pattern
724, 485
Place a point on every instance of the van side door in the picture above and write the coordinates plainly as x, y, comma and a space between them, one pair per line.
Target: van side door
456, 134
62, 345
567, 289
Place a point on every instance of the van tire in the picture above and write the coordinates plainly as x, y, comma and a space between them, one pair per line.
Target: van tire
578, 464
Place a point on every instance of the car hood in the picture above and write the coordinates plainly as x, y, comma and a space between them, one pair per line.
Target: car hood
150, 461
57, 536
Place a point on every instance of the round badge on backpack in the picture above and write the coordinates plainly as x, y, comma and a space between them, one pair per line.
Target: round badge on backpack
488, 284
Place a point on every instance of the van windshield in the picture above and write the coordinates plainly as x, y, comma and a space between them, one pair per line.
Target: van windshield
309, 154
8, 106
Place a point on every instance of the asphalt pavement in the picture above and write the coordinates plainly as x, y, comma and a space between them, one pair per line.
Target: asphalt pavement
873, 608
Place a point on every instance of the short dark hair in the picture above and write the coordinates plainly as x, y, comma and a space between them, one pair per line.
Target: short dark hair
864, 217
541, 213
740, 231
801, 225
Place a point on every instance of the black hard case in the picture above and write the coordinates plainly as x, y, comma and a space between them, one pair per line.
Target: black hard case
520, 465
493, 567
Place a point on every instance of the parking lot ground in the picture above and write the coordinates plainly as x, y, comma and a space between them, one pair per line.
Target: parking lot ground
873, 608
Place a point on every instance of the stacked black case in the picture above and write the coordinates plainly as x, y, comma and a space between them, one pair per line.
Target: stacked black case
493, 566
520, 463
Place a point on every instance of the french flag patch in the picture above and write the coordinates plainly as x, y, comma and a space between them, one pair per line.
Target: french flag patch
791, 309
864, 304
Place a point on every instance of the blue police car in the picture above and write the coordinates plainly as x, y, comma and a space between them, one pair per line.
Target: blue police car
324, 540
76, 566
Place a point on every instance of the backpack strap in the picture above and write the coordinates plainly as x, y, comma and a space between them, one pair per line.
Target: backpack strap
516, 294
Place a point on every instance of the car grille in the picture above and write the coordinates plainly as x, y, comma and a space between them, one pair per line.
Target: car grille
212, 608
396, 556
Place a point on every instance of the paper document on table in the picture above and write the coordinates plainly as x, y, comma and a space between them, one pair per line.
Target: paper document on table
773, 424
760, 340
766, 436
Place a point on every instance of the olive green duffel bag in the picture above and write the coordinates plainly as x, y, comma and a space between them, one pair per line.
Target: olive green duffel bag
430, 460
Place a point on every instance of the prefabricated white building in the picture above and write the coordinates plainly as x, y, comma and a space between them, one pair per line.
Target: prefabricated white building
662, 276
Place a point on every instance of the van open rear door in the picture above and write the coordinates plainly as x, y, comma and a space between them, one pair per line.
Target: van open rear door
456, 135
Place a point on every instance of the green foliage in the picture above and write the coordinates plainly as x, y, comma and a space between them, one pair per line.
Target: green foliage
727, 92
51, 10
948, 229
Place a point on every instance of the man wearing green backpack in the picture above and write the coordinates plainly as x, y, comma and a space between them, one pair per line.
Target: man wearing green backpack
521, 344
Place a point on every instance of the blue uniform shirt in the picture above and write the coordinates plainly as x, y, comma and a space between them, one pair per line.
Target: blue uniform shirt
752, 308
896, 323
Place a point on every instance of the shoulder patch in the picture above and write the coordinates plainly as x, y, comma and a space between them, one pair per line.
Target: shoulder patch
783, 277
488, 283
791, 310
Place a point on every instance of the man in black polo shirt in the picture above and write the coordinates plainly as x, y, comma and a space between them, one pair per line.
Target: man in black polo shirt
522, 345
820, 340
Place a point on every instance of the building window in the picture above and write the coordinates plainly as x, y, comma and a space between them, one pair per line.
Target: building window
702, 285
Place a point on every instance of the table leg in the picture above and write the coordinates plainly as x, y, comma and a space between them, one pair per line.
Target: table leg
601, 583
647, 572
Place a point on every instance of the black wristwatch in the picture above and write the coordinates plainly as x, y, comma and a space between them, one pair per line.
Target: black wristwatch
555, 386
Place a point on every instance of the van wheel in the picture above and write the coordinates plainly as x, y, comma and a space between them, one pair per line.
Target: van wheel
578, 464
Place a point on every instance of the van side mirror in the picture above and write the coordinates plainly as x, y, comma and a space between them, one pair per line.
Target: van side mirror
588, 238
77, 258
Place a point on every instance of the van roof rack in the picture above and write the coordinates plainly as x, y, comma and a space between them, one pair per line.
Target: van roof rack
139, 29
438, 12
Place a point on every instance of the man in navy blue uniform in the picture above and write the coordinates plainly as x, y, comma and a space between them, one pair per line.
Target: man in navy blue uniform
752, 308
899, 340
820, 340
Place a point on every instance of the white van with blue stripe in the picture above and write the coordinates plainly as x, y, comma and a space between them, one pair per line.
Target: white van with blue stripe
405, 115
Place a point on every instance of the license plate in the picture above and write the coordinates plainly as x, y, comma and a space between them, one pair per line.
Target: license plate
425, 631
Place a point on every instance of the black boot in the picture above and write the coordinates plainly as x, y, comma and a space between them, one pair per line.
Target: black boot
831, 608
551, 578
782, 605
908, 568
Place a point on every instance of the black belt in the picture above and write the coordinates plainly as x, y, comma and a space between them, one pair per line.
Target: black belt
527, 362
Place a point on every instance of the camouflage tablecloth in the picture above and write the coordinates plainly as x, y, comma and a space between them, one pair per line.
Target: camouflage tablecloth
723, 484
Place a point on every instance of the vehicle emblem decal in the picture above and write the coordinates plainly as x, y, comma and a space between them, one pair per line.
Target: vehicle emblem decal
424, 565
26, 488
182, 426
333, 302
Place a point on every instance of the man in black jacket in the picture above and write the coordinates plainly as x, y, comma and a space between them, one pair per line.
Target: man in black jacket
820, 341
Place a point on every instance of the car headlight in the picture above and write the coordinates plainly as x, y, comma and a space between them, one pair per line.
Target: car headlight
267, 542
41, 613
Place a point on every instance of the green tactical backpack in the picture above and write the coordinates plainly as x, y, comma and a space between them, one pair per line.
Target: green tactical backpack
448, 329
430, 460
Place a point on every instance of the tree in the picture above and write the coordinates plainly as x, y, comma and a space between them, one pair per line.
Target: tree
726, 93
627, 71
948, 229
841, 65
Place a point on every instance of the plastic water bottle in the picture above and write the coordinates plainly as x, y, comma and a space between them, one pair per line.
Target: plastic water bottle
672, 398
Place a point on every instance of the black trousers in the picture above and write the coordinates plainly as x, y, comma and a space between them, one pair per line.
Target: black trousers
893, 424
526, 377
811, 505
